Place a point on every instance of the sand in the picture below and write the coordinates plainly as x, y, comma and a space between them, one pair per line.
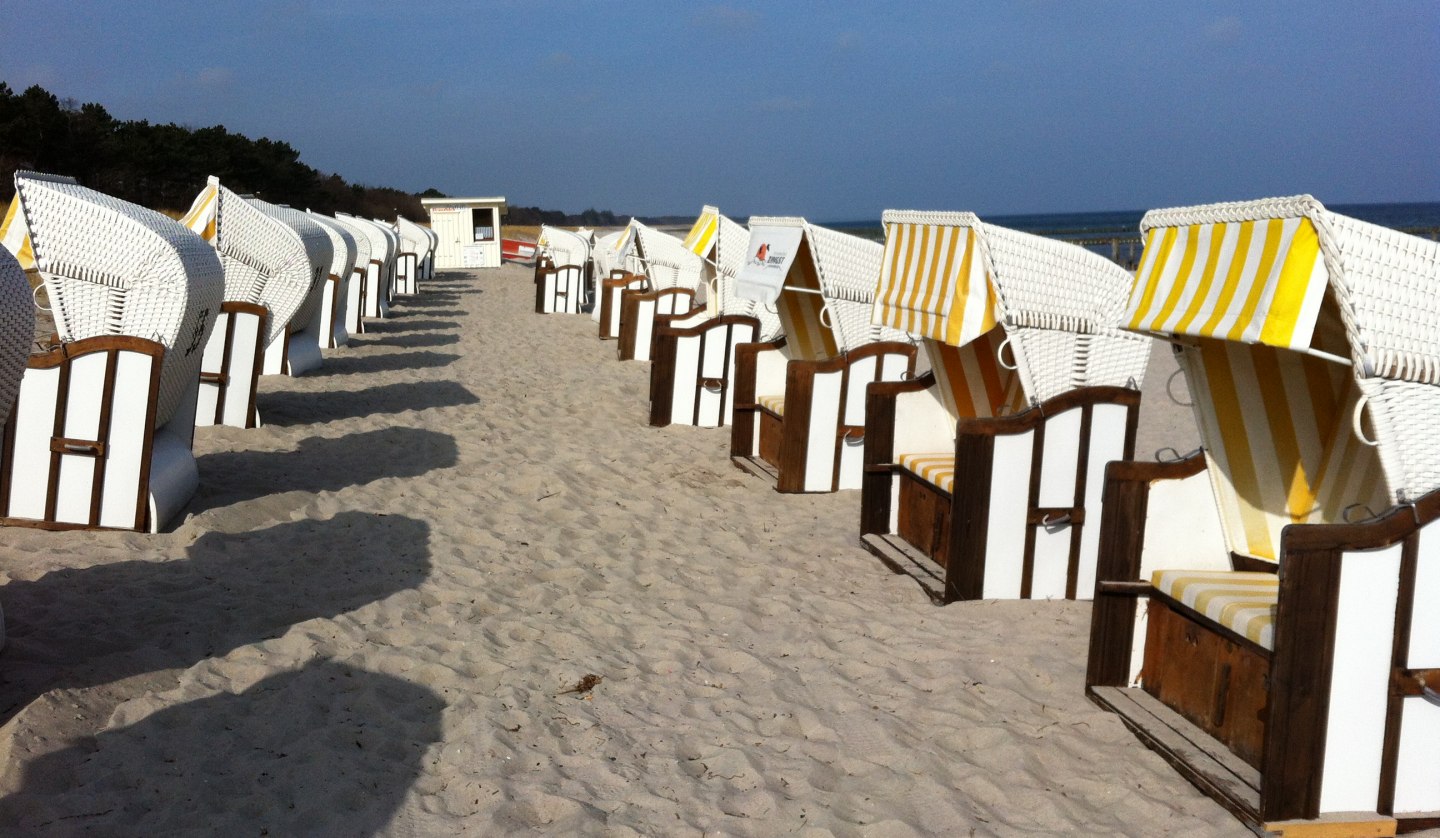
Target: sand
373, 617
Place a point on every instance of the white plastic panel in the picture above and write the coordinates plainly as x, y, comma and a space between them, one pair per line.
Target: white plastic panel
1051, 567
1107, 443
1009, 509
1417, 776
272, 362
862, 372
242, 370
1060, 459
682, 386
1424, 652
120, 497
820, 436
34, 417
75, 486
354, 302
644, 328
1359, 682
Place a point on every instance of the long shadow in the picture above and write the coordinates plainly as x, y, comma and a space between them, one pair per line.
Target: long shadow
327, 749
289, 408
321, 464
84, 627
351, 365
411, 341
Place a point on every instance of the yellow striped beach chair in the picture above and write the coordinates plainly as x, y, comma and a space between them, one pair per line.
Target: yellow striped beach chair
983, 476
673, 276
692, 379
1288, 658
562, 271
100, 432
799, 412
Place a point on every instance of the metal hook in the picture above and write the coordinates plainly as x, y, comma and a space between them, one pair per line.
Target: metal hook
1170, 389
1356, 420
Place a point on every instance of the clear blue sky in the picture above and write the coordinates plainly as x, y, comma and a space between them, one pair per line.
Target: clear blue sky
833, 110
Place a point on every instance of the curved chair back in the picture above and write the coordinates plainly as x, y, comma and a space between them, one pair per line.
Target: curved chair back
265, 261
378, 266
413, 238
113, 268
721, 244
664, 259
344, 249
318, 249
564, 247
17, 330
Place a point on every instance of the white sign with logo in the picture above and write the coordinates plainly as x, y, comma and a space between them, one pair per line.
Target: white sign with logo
772, 251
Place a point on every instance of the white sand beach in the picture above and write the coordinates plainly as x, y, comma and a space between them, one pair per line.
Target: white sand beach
373, 619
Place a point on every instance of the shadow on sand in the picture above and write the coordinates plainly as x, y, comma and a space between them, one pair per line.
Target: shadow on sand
287, 408
321, 464
381, 363
326, 749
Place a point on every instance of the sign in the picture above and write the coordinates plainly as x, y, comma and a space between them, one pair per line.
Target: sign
772, 250
473, 256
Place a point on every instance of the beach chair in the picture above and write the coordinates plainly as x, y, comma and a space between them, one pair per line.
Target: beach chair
375, 290
414, 255
983, 477
616, 271
673, 277
355, 289
692, 380
100, 434
799, 412
392, 241
1287, 659
17, 325
268, 278
335, 305
299, 351
428, 264
562, 271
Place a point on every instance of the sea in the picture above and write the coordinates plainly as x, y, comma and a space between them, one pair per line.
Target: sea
1116, 235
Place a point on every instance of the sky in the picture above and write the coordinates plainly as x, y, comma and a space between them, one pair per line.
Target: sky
831, 110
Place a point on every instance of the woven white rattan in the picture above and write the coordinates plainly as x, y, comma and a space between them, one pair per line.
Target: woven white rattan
17, 328
1384, 284
848, 266
265, 261
362, 237
342, 245
114, 268
412, 238
564, 247
317, 247
666, 261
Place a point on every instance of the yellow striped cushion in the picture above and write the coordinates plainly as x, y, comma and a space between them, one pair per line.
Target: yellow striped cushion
935, 469
774, 404
1242, 602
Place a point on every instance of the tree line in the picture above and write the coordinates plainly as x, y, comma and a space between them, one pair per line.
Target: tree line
165, 166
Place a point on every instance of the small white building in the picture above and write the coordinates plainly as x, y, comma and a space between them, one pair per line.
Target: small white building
468, 230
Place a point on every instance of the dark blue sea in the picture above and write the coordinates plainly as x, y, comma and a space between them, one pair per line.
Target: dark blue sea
1421, 219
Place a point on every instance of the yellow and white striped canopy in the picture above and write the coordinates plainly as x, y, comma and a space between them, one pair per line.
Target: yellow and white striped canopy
1255, 281
933, 279
702, 236
15, 235
203, 213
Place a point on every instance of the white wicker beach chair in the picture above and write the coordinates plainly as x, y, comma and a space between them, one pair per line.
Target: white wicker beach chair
428, 267
617, 270
335, 308
392, 240
413, 257
674, 277
306, 333
1026, 437
100, 435
562, 271
356, 290
1289, 663
799, 408
269, 277
375, 296
692, 380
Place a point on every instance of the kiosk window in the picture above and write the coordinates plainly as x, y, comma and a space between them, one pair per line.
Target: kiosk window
484, 229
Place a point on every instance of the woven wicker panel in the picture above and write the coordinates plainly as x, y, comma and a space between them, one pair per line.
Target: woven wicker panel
412, 237
114, 268
1049, 361
1114, 359
1049, 284
17, 326
1403, 414
565, 247
317, 247
381, 249
667, 263
342, 245
361, 237
849, 267
265, 261
731, 242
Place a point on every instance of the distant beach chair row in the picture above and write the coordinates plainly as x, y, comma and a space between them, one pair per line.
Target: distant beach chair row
162, 326
980, 386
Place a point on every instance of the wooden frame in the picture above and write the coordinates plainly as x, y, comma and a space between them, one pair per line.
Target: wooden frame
96, 445
1334, 586
609, 295
230, 371
783, 447
639, 311
998, 535
355, 300
692, 379
407, 269
560, 289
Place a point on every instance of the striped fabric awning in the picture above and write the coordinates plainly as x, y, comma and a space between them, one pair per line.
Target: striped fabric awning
622, 244
1249, 281
702, 235
203, 213
15, 235
933, 281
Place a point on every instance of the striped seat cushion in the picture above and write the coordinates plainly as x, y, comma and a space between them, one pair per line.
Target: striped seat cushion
935, 469
774, 404
1242, 602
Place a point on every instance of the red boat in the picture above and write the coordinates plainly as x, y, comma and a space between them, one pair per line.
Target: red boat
515, 250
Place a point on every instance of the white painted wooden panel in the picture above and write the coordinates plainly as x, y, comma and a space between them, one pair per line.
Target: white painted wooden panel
644, 328
1364, 635
120, 496
1009, 509
1052, 562
1424, 652
1417, 778
1107, 443
75, 485
1060, 459
242, 369
682, 386
862, 372
34, 417
820, 435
